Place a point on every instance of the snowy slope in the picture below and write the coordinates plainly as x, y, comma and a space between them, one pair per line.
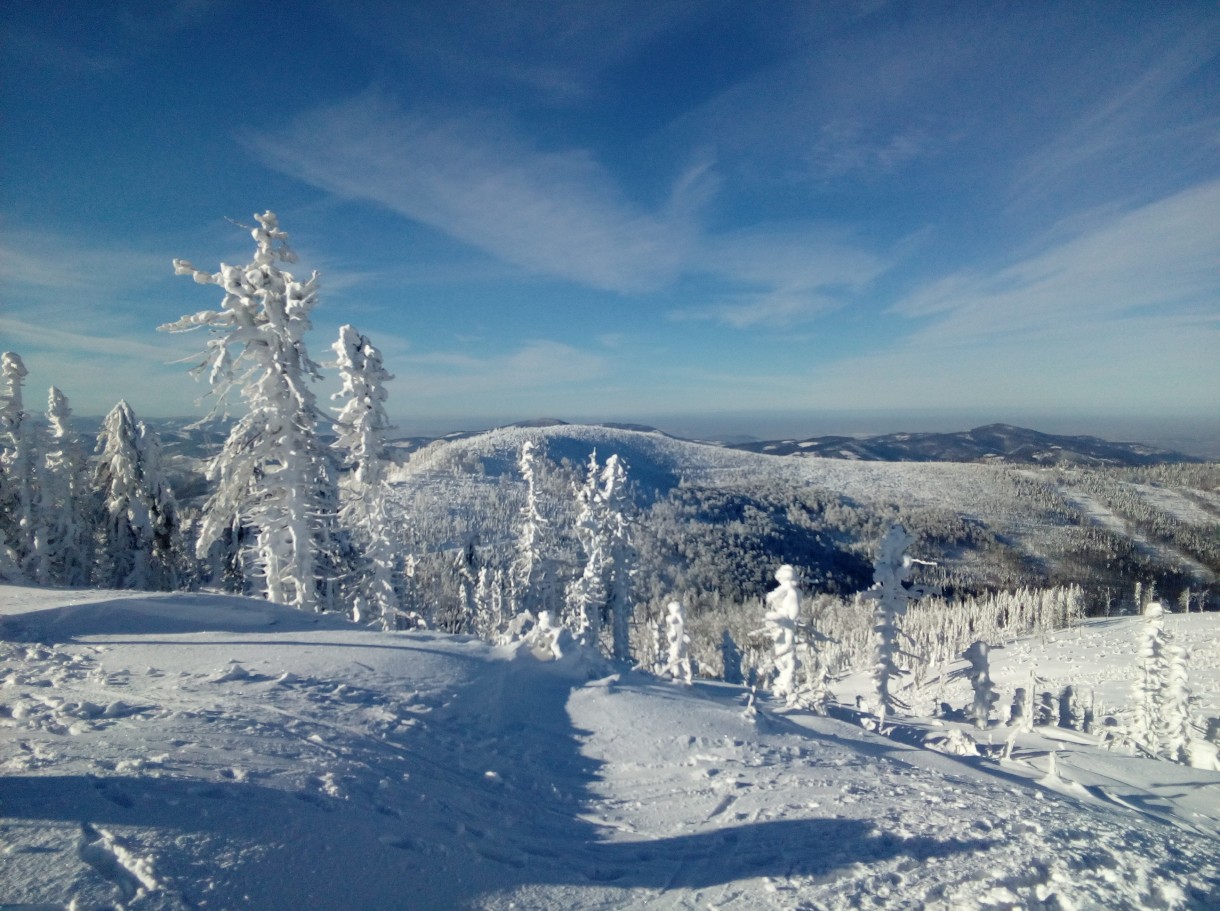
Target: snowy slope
200, 751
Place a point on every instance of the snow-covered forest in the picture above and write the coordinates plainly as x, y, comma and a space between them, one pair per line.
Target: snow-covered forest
785, 600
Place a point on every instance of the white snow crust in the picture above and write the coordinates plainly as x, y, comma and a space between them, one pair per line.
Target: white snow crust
209, 752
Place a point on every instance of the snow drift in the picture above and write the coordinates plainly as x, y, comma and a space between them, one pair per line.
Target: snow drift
198, 751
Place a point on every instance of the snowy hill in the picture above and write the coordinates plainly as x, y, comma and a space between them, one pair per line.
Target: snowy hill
989, 525
209, 752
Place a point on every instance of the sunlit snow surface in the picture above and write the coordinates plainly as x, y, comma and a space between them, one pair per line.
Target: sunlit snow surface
198, 751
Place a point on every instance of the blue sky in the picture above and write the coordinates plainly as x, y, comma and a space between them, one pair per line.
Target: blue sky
702, 214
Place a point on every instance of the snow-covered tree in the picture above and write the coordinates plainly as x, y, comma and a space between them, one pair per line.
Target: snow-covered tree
892, 592
362, 422
64, 500
730, 656
586, 597
678, 662
985, 695
139, 543
361, 427
604, 590
620, 590
1161, 721
532, 572
273, 476
780, 622
19, 459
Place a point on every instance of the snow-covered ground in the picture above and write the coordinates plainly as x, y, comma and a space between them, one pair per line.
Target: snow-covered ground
208, 752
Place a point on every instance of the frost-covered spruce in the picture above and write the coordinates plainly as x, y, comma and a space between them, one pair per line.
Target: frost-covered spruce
621, 566
780, 620
1177, 708
64, 500
892, 593
139, 540
678, 662
1150, 681
1161, 723
730, 656
605, 586
586, 596
18, 471
360, 441
985, 695
273, 474
531, 573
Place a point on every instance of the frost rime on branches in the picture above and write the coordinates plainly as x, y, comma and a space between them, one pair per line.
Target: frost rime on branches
273, 475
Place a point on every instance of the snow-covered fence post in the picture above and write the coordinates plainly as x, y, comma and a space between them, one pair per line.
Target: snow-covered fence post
891, 592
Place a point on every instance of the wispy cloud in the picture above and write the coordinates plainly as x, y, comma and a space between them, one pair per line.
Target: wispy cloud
48, 338
536, 365
45, 262
1164, 255
1121, 316
1137, 123
553, 50
781, 275
557, 213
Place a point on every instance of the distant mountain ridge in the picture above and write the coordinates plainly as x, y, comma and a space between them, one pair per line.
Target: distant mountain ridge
993, 442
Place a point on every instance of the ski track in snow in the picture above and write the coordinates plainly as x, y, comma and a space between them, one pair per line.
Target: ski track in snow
205, 752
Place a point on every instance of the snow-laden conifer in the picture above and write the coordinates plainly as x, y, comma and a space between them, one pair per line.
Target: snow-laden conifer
273, 475
621, 564
361, 426
780, 622
586, 596
979, 672
532, 573
730, 656
19, 457
138, 543
677, 664
892, 592
605, 589
64, 499
1161, 723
